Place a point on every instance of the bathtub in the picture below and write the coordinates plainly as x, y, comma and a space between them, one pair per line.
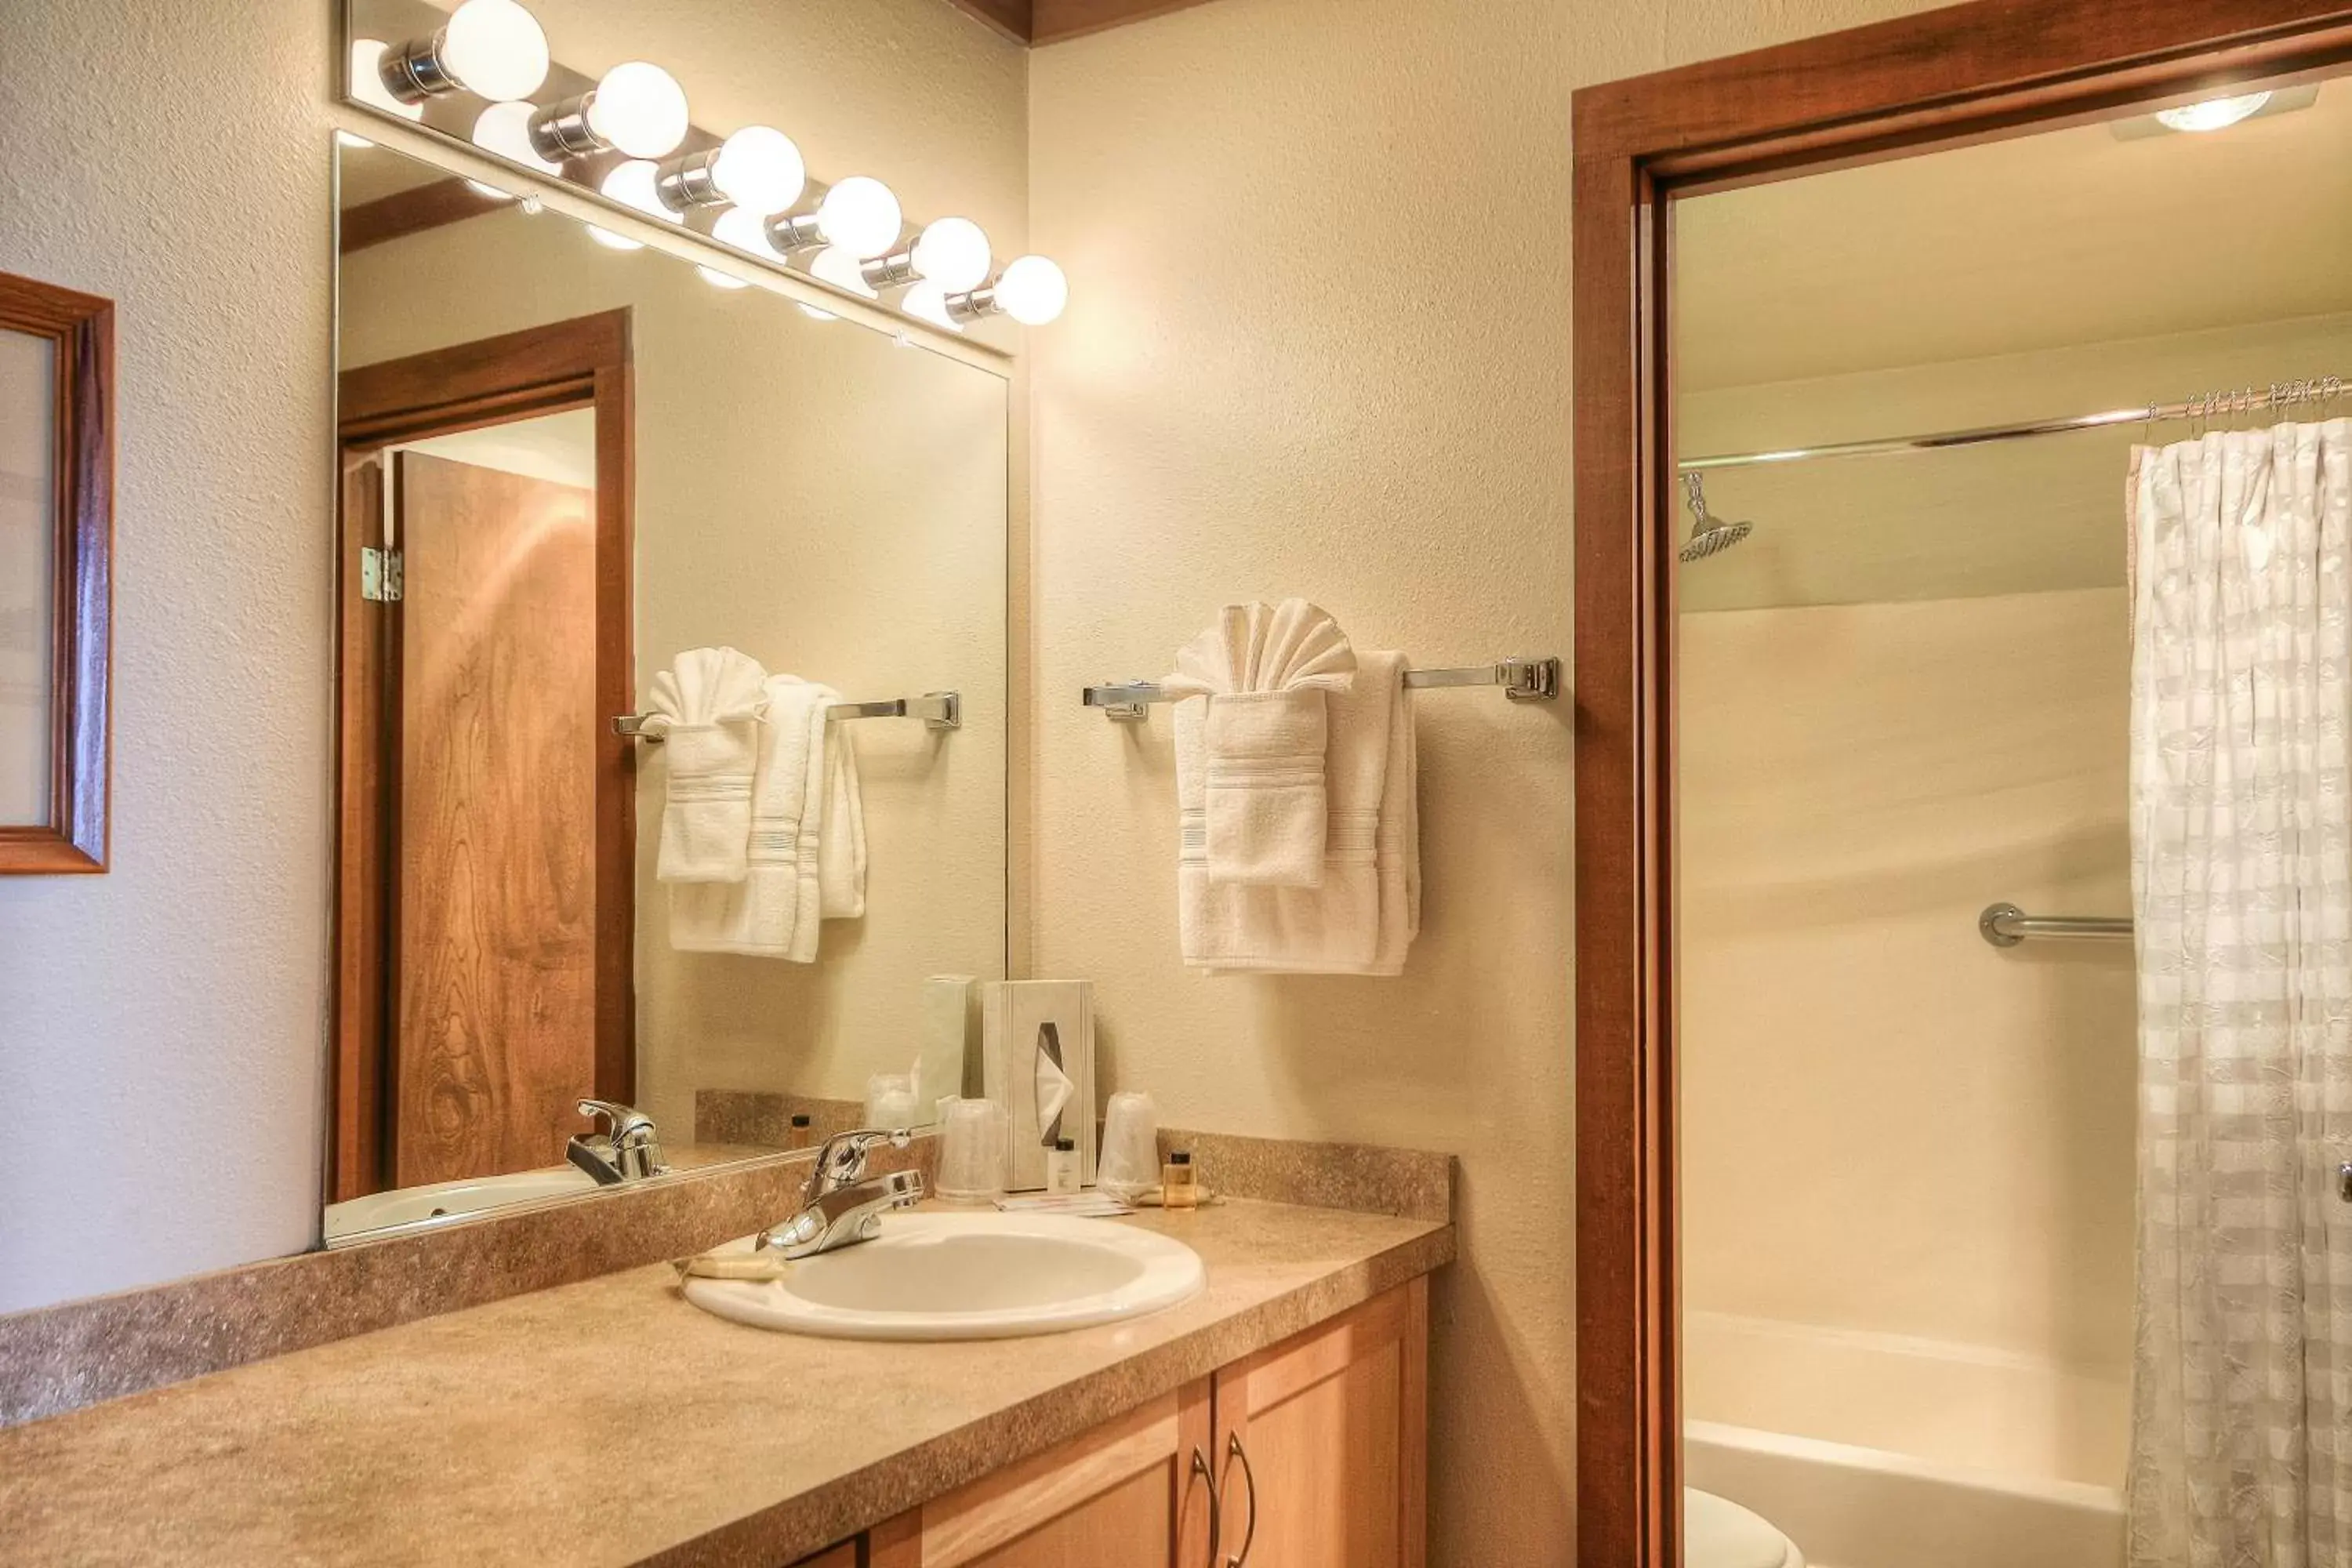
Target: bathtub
1883, 1451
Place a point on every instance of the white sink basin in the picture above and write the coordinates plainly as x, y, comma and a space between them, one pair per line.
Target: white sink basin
933, 1275
406, 1205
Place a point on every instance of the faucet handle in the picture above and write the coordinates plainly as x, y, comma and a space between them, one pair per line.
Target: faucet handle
635, 1146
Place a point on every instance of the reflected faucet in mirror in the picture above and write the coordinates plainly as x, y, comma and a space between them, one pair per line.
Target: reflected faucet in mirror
840, 1207
629, 1149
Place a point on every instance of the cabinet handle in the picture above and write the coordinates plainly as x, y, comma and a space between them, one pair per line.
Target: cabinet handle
1216, 1525
1233, 1450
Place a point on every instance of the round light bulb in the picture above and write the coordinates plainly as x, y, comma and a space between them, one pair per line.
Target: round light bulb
745, 230
611, 241
837, 265
504, 129
759, 168
2214, 113
1033, 290
953, 253
495, 48
636, 183
717, 280
640, 109
367, 81
928, 301
860, 215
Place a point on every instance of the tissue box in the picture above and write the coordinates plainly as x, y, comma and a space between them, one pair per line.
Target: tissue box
1023, 1024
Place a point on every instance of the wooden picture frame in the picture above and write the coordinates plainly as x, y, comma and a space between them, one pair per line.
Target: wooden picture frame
72, 836
1941, 78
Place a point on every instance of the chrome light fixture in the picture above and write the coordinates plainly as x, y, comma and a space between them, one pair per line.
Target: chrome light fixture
638, 108
860, 215
758, 169
493, 48
1032, 290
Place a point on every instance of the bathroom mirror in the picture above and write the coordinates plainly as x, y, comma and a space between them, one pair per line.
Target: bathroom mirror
569, 461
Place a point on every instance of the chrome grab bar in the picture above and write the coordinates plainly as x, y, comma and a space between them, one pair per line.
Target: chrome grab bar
2006, 925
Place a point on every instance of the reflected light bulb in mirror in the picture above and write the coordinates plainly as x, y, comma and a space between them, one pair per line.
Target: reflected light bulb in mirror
2214, 113
367, 81
635, 183
928, 301
640, 109
836, 265
745, 230
860, 215
495, 48
952, 253
759, 167
717, 280
504, 128
611, 241
1033, 290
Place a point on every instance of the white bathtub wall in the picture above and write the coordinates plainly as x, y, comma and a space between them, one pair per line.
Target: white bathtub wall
1890, 1127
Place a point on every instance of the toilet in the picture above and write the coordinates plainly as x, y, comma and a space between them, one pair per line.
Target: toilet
1718, 1533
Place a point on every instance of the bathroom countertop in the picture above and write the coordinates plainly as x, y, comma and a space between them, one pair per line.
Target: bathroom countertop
610, 1422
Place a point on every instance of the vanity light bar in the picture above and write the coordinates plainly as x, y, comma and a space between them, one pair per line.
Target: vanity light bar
1522, 680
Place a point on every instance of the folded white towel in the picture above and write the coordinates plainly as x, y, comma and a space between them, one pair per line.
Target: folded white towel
1367, 911
1267, 671
805, 765
706, 707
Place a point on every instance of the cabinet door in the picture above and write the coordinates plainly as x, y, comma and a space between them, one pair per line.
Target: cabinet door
842, 1556
1126, 1495
1322, 1443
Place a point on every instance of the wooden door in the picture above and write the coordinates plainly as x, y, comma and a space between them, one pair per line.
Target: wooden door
1126, 1495
494, 1029
1321, 1443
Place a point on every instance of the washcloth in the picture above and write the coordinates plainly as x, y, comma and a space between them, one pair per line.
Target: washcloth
706, 707
1268, 672
804, 766
1366, 912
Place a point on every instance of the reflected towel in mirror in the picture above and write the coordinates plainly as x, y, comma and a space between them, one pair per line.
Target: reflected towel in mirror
706, 707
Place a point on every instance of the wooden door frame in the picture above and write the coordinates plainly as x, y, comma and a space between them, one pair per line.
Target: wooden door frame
582, 362
1945, 78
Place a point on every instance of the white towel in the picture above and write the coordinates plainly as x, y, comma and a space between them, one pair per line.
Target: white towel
803, 766
1367, 911
706, 707
1267, 671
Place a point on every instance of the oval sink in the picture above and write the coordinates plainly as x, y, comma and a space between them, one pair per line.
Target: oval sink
933, 1276
406, 1205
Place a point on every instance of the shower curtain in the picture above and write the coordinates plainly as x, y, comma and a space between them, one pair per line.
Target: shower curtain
2241, 874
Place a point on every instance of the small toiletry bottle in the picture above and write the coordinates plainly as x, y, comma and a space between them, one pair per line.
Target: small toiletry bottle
1062, 1168
1179, 1188
798, 1136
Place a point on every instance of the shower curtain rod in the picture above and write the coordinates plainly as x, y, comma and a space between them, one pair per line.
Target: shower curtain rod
2206, 406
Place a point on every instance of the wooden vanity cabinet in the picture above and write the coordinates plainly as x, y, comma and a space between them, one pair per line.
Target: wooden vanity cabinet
1318, 1447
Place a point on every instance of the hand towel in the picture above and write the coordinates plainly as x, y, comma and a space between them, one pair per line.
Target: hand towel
1267, 672
706, 707
841, 842
774, 911
1367, 911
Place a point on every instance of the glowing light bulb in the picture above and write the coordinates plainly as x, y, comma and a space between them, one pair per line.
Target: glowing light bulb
504, 129
952, 253
2214, 113
837, 265
814, 314
745, 230
860, 215
1033, 290
635, 185
717, 280
495, 48
640, 109
367, 81
928, 301
759, 167
611, 241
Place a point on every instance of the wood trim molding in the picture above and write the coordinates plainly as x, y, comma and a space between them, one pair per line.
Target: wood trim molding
412, 211
1965, 73
582, 362
1041, 22
80, 329
1001, 1509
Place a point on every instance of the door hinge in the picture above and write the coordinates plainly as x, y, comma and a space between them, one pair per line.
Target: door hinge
380, 575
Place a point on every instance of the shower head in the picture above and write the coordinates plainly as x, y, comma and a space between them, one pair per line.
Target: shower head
1710, 535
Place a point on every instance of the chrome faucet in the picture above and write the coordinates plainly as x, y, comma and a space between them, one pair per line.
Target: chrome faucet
628, 1151
840, 1206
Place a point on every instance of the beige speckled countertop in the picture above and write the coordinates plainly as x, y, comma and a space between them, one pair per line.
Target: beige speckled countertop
609, 1422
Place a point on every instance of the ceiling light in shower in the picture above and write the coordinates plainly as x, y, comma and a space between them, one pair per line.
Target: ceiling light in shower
492, 48
638, 108
2214, 113
367, 79
1032, 290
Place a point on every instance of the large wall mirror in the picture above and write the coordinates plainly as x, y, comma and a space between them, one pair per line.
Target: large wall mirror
593, 491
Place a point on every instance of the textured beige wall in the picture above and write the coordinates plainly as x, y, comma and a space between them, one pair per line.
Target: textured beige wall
1318, 344
163, 1024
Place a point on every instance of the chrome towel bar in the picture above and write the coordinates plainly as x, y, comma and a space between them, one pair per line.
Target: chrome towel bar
1522, 680
2006, 925
939, 710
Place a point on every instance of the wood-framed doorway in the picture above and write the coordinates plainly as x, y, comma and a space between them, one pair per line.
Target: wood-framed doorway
582, 364
1941, 78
